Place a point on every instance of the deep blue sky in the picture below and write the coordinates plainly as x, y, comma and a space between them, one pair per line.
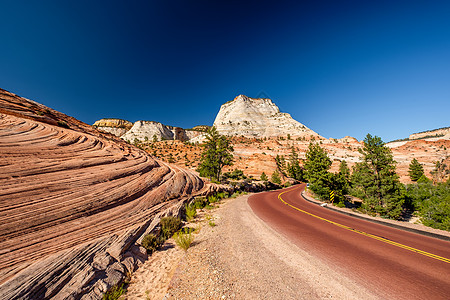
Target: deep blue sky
339, 67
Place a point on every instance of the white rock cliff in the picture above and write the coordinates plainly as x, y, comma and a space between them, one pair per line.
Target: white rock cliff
257, 118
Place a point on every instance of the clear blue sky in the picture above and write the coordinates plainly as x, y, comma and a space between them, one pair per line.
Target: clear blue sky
339, 67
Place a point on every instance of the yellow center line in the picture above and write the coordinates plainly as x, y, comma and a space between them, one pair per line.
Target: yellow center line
367, 234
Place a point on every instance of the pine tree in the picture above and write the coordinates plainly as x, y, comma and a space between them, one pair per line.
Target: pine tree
275, 178
216, 155
344, 170
344, 177
415, 170
316, 170
281, 164
264, 177
375, 181
293, 167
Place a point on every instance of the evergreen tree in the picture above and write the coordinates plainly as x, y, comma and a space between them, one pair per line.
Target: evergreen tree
264, 177
344, 177
276, 177
423, 179
281, 164
415, 170
316, 170
375, 181
293, 167
216, 155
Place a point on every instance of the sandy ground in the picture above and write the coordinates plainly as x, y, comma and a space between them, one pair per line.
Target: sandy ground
239, 258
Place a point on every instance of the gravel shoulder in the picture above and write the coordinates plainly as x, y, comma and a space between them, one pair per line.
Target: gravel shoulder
239, 258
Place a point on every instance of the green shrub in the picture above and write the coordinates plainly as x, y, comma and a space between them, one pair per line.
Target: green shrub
238, 193
199, 202
212, 224
115, 292
184, 238
222, 195
151, 242
340, 204
213, 199
63, 124
191, 212
170, 225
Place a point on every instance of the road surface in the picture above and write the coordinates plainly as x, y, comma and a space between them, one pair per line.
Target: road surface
392, 263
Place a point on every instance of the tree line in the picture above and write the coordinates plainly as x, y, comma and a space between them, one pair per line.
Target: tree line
373, 179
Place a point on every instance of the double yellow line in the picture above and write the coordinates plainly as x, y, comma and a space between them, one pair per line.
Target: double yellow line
367, 234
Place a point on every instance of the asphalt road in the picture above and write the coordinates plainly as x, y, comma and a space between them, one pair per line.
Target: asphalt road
392, 263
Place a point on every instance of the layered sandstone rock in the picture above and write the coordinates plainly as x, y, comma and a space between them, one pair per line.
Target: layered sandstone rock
257, 118
442, 132
74, 203
117, 127
148, 130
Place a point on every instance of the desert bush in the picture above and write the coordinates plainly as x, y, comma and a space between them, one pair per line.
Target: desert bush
170, 225
199, 202
213, 199
191, 212
238, 193
115, 292
63, 124
151, 242
211, 223
340, 204
184, 238
222, 195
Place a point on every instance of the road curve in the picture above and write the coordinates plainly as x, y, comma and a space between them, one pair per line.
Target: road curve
386, 268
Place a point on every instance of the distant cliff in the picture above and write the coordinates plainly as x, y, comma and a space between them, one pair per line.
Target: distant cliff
117, 127
257, 118
430, 133
146, 130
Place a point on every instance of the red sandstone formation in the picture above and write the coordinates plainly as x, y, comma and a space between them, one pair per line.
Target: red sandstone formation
73, 202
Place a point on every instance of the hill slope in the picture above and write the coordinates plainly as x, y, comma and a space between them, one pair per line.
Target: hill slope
73, 203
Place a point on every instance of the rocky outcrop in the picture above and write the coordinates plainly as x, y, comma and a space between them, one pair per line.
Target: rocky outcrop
442, 132
74, 203
257, 118
117, 127
148, 130
347, 139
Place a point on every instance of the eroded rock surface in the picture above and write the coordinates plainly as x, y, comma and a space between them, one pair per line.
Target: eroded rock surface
257, 118
118, 127
442, 132
74, 202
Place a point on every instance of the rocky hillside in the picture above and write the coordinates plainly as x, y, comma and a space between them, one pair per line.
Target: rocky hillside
243, 116
441, 132
74, 203
257, 118
146, 130
117, 127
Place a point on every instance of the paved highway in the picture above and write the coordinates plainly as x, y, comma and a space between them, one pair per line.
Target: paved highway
393, 263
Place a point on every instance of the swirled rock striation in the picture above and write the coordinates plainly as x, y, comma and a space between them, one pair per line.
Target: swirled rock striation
74, 202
